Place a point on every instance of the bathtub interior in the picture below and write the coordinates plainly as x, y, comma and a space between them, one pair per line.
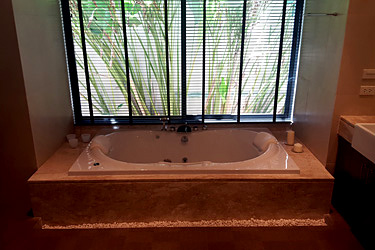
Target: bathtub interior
215, 151
161, 146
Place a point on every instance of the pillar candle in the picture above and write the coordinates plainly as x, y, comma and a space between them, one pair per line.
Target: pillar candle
290, 137
297, 148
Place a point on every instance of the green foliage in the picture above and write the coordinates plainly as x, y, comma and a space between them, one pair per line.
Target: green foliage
147, 58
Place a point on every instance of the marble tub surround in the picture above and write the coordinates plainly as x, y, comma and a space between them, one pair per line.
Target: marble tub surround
70, 200
347, 123
108, 202
57, 167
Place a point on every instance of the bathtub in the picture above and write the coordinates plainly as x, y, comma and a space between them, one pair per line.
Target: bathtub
226, 151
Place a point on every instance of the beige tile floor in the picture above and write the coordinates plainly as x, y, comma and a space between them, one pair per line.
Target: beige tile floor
26, 235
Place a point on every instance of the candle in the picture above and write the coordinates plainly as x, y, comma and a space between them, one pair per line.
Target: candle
290, 137
70, 136
85, 137
73, 143
297, 148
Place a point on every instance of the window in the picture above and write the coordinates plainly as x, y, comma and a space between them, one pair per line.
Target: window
133, 61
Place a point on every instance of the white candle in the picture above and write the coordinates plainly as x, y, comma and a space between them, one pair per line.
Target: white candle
70, 136
73, 143
290, 137
85, 137
298, 148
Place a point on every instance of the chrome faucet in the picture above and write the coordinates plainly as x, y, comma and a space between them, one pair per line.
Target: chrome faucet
164, 126
184, 128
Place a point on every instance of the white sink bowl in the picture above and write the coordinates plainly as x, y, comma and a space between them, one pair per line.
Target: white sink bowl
364, 140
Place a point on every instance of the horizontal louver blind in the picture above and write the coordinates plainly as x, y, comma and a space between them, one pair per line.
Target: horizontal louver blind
223, 47
102, 25
263, 29
147, 57
202, 78
194, 56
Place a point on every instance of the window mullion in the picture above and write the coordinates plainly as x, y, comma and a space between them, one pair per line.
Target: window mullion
85, 60
126, 62
71, 61
167, 56
279, 62
241, 60
204, 61
183, 59
294, 56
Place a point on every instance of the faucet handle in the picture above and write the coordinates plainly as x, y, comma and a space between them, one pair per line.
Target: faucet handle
204, 127
164, 126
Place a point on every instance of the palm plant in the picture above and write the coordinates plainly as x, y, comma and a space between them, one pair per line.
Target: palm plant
145, 25
104, 37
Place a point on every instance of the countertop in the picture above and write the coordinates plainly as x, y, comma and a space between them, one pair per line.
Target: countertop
353, 119
347, 123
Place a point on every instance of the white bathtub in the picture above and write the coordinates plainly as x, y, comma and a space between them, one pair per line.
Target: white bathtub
227, 151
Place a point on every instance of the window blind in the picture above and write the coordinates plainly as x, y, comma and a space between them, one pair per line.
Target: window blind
185, 59
262, 40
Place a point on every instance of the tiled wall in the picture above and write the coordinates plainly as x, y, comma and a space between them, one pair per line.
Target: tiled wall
320, 57
358, 54
40, 39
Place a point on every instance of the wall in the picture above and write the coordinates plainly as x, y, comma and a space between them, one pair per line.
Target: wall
358, 54
17, 158
40, 39
320, 57
34, 97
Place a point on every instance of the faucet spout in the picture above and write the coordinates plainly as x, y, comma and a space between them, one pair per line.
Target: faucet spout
184, 128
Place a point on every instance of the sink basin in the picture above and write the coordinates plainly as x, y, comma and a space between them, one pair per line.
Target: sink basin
364, 140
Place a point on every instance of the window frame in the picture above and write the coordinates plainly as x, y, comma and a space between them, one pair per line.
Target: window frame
79, 119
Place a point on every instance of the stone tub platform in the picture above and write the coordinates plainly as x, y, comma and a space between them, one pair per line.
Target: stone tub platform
62, 200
